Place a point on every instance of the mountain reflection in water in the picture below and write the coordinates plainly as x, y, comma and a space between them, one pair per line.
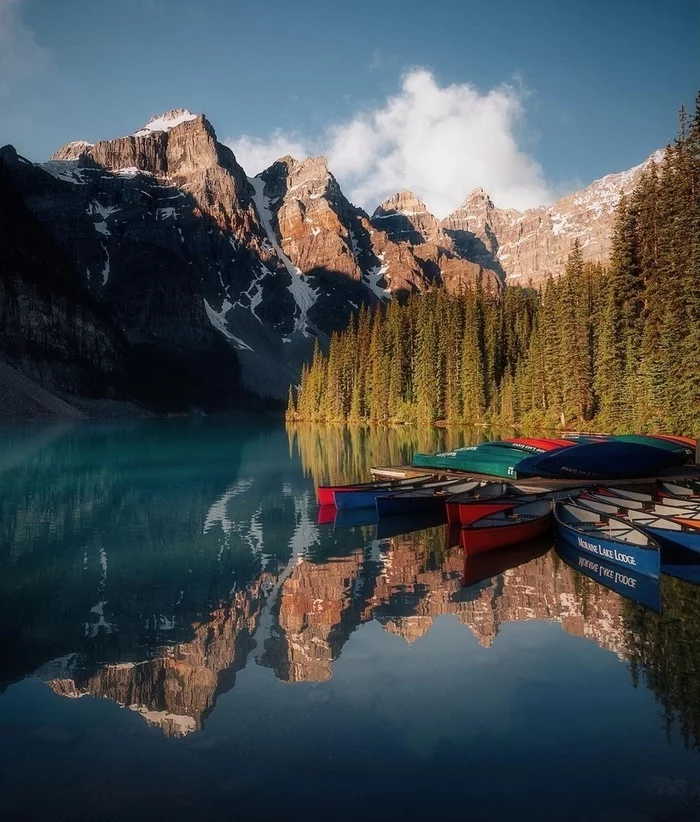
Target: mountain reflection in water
150, 564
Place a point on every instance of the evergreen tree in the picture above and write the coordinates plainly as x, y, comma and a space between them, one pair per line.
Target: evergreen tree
613, 348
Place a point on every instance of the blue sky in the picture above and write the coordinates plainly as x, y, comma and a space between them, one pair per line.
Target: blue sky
552, 93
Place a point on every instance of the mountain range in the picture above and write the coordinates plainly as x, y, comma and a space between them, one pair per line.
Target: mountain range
152, 268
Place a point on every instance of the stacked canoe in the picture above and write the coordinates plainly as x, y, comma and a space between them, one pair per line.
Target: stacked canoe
581, 457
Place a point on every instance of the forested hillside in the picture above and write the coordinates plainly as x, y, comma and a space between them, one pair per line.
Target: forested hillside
613, 348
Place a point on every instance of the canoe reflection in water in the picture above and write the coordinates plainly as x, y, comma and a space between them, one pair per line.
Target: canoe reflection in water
640, 588
478, 567
385, 527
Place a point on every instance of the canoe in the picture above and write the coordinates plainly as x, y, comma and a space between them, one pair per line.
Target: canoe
584, 438
535, 445
496, 460
478, 567
607, 538
490, 498
495, 497
507, 527
689, 441
365, 497
429, 497
669, 533
627, 582
690, 491
465, 511
682, 451
686, 516
650, 499
326, 493
607, 459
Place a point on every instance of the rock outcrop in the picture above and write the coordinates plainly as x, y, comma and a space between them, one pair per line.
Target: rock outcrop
50, 328
531, 245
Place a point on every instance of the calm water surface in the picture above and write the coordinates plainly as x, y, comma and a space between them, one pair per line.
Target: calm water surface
181, 639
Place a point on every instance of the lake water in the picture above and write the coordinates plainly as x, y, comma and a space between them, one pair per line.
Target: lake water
181, 639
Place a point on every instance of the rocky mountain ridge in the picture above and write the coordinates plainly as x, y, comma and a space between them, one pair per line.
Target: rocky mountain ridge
521, 246
202, 266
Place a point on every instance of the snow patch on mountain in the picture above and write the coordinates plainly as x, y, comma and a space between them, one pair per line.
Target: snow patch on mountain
66, 170
218, 320
373, 276
105, 270
164, 122
304, 295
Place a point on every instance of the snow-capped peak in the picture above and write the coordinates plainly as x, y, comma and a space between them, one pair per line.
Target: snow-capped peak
164, 122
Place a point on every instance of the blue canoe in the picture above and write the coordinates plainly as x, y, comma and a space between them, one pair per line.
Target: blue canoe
367, 497
667, 532
608, 459
681, 451
608, 538
429, 497
642, 589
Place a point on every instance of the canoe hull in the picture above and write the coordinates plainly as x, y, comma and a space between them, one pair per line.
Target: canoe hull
631, 584
392, 506
423, 500
682, 539
599, 460
642, 560
691, 523
464, 513
326, 493
355, 498
681, 451
478, 540
497, 462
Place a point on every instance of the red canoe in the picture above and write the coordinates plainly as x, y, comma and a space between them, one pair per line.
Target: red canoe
536, 444
546, 443
490, 492
469, 513
507, 527
326, 514
680, 440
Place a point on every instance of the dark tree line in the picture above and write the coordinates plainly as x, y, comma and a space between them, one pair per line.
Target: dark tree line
614, 348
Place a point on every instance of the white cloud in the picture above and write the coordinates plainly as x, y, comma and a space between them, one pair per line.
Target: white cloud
256, 154
439, 141
21, 57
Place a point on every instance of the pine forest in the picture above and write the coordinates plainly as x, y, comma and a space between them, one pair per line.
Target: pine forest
611, 348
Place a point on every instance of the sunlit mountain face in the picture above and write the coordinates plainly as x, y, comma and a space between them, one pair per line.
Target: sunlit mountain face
178, 572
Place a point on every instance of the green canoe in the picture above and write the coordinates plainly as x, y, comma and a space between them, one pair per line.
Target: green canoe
495, 460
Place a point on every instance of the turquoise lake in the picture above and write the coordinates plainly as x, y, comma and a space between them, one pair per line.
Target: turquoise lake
180, 638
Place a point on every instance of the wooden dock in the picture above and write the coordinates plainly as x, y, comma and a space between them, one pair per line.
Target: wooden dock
535, 484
